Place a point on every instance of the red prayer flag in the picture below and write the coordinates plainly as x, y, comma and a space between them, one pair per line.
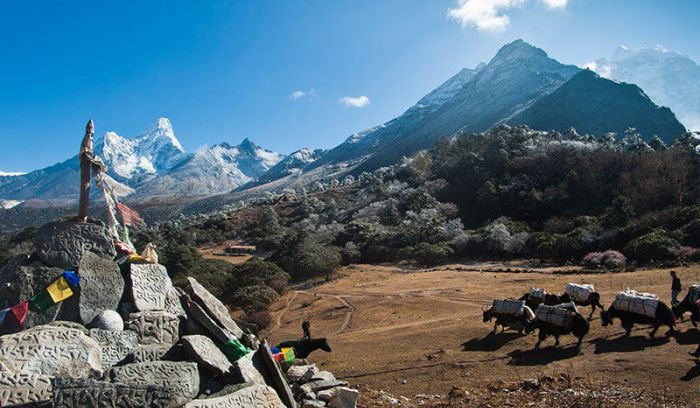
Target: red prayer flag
129, 216
20, 311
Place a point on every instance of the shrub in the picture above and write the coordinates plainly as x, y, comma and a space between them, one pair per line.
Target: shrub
261, 320
654, 246
686, 254
259, 272
433, 254
315, 259
610, 259
254, 298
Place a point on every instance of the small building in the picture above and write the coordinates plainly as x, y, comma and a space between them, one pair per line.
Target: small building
238, 250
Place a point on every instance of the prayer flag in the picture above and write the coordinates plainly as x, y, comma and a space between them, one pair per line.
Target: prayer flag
20, 311
42, 301
59, 290
3, 313
129, 216
72, 278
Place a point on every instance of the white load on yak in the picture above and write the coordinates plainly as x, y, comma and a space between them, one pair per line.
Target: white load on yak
508, 307
559, 315
536, 293
579, 293
636, 302
694, 292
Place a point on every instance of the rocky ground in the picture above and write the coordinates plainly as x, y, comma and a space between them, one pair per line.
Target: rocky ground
409, 336
124, 336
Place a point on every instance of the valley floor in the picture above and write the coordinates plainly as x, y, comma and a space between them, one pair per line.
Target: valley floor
419, 333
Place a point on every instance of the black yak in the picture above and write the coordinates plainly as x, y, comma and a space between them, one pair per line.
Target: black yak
663, 317
512, 321
302, 348
687, 305
578, 326
593, 301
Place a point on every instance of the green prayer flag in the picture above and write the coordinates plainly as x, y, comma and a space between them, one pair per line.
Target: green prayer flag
42, 301
234, 350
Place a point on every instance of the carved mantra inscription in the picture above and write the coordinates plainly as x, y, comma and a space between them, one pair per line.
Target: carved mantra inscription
51, 350
101, 286
115, 346
62, 244
149, 286
154, 352
99, 394
24, 388
256, 396
181, 378
155, 327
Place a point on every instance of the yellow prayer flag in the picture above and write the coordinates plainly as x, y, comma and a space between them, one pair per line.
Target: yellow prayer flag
59, 290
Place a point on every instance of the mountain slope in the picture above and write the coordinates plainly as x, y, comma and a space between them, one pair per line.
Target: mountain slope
669, 78
292, 164
596, 105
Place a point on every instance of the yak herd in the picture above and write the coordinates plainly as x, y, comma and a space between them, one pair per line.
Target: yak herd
557, 315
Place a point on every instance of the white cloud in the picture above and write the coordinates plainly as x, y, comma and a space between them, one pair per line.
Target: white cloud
11, 173
296, 95
354, 101
603, 70
488, 15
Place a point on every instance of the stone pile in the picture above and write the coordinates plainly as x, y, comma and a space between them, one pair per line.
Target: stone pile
129, 338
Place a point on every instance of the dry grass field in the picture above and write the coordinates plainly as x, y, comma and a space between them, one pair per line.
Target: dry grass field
418, 333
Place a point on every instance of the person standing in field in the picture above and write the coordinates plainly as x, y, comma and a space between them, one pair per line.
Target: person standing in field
675, 287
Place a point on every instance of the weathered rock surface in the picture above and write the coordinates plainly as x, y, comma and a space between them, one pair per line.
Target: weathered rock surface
209, 358
154, 327
115, 346
312, 403
24, 388
321, 385
173, 304
248, 368
301, 373
62, 244
275, 377
323, 375
155, 352
20, 281
199, 315
214, 307
343, 397
100, 394
180, 378
149, 286
108, 320
51, 350
101, 286
256, 396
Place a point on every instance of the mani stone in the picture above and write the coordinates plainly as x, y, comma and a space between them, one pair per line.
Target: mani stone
154, 327
62, 244
101, 286
181, 379
108, 320
149, 286
85, 393
115, 346
201, 317
207, 355
214, 307
24, 388
154, 352
275, 377
19, 282
173, 303
246, 368
52, 351
255, 396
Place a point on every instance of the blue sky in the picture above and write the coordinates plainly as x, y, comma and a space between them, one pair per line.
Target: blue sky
224, 70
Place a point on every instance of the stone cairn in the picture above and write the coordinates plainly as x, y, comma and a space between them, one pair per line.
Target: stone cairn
129, 338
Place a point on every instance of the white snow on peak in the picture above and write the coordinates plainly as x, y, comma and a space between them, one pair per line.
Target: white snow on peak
11, 173
356, 137
7, 204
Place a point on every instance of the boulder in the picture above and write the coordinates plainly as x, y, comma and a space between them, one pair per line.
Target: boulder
343, 397
255, 396
24, 388
181, 379
108, 320
150, 285
52, 351
154, 327
214, 307
248, 368
301, 373
209, 358
323, 375
312, 403
81, 393
62, 244
20, 281
101, 286
115, 346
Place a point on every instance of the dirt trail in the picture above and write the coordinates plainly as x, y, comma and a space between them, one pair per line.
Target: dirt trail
412, 332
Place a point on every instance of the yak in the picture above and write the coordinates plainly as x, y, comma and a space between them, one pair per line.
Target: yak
593, 301
664, 317
512, 321
579, 328
302, 348
687, 305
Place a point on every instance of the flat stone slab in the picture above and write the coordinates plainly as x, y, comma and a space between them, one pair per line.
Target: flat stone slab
62, 244
180, 378
214, 307
256, 396
50, 350
199, 315
101, 286
100, 394
115, 346
321, 385
154, 327
150, 285
275, 377
173, 304
24, 388
207, 355
248, 368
